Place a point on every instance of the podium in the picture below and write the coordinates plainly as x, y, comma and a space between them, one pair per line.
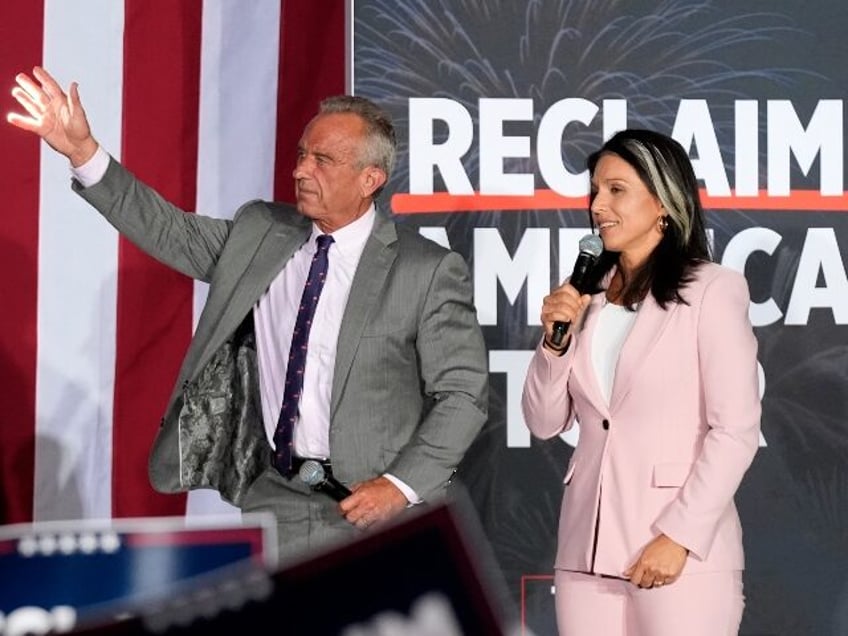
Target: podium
423, 576
56, 575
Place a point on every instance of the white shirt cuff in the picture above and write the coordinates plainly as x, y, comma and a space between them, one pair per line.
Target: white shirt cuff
411, 496
92, 171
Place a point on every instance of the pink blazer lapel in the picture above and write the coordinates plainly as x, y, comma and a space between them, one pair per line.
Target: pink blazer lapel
583, 352
650, 323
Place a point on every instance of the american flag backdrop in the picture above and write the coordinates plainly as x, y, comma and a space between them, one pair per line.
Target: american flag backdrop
204, 100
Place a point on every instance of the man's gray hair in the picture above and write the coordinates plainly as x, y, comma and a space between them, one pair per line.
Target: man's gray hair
380, 140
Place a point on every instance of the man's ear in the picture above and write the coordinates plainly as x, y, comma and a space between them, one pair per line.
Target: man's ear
373, 178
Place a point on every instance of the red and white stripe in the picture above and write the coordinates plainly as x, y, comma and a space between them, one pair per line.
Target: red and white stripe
203, 100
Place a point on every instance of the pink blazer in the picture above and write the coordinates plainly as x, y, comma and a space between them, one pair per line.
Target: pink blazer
668, 452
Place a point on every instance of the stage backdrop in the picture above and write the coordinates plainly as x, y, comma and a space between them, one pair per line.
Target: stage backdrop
497, 104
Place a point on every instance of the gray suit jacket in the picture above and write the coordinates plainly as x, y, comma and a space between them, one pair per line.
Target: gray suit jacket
410, 385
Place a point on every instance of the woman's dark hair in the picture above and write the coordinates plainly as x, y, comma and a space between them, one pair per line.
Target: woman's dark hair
664, 167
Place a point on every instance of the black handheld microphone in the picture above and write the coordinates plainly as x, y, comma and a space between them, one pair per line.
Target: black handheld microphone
591, 247
312, 473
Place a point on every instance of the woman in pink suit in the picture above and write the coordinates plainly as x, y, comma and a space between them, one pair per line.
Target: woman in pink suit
659, 367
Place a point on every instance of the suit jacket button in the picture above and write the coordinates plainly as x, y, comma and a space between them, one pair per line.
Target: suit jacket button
605, 424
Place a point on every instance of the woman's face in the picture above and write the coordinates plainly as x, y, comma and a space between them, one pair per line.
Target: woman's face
624, 210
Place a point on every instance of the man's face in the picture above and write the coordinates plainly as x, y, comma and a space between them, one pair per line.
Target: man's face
330, 187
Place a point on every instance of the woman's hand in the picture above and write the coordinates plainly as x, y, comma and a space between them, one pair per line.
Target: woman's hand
563, 304
660, 563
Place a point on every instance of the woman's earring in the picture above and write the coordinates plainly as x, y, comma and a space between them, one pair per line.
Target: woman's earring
662, 224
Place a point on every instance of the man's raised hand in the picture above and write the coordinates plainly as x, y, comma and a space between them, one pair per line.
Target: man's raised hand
55, 116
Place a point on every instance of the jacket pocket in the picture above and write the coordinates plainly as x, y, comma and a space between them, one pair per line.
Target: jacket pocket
671, 474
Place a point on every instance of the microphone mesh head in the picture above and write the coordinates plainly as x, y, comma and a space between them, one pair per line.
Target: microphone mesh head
592, 244
311, 473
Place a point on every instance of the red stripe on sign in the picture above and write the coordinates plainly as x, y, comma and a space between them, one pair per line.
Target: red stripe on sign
161, 95
311, 67
444, 202
21, 46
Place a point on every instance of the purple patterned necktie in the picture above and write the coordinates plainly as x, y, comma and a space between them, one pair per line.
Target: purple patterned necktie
297, 356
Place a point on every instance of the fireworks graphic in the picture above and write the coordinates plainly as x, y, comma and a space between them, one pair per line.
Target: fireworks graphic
653, 55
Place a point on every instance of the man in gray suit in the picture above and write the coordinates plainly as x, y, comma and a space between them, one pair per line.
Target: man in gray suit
395, 383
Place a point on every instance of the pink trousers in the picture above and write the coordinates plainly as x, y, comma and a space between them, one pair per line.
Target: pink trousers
704, 604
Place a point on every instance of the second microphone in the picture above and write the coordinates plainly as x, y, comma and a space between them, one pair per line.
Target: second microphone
312, 473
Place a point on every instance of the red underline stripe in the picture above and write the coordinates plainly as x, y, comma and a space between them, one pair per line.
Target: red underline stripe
444, 202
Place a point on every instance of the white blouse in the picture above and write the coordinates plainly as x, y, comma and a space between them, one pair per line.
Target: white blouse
614, 323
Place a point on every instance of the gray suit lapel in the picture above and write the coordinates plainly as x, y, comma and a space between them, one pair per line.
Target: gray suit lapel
374, 265
273, 251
